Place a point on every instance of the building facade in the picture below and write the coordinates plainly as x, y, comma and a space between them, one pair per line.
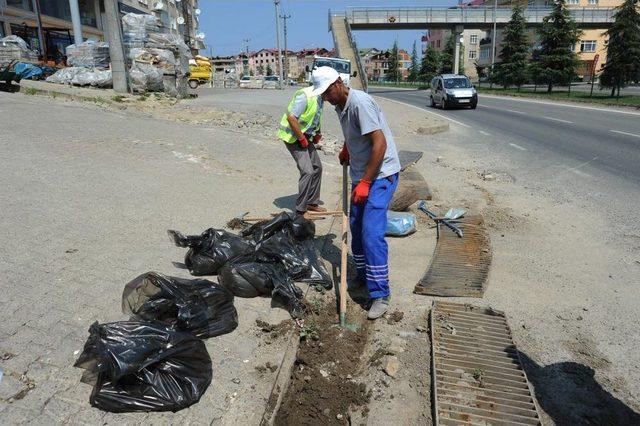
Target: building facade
19, 17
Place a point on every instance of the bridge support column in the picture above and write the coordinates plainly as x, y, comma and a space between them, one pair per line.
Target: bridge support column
457, 37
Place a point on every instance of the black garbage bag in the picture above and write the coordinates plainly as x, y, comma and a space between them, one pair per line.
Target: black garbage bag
248, 278
281, 247
298, 225
318, 273
144, 366
210, 250
198, 306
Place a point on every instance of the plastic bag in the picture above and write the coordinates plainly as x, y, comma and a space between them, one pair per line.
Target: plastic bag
65, 75
138, 80
96, 78
89, 54
280, 247
153, 82
197, 306
400, 224
318, 273
209, 251
144, 366
248, 278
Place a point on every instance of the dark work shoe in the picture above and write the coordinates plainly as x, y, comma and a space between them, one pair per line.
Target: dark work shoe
378, 307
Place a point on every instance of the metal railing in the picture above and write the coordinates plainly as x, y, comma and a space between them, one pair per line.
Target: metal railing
469, 15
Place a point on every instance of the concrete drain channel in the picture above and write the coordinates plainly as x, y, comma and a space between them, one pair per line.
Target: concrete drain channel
476, 369
460, 266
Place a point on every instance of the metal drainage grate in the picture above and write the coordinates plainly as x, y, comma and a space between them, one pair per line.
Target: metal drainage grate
477, 373
460, 266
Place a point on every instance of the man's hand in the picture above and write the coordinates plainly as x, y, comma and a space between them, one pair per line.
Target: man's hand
317, 137
344, 155
304, 143
360, 192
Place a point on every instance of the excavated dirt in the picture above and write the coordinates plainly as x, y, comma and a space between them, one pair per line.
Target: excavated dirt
324, 386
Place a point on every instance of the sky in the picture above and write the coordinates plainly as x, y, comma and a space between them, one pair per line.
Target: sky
226, 23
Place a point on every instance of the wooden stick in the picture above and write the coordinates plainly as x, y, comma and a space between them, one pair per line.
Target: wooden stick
344, 249
328, 213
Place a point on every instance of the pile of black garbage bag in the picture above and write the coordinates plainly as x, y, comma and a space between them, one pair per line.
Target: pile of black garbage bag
265, 260
157, 361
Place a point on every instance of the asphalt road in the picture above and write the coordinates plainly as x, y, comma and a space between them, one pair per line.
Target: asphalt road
605, 139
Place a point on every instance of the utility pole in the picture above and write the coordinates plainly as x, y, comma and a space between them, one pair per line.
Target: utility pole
246, 58
286, 57
43, 42
116, 52
75, 20
276, 3
493, 41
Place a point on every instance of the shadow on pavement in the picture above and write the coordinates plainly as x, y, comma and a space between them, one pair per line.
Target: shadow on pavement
570, 395
286, 202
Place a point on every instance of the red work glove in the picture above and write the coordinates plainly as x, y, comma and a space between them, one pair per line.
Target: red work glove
360, 192
317, 137
303, 142
344, 155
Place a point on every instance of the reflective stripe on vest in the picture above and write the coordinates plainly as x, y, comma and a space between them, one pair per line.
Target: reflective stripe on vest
305, 120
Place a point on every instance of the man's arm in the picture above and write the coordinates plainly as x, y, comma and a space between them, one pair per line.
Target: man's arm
295, 126
378, 149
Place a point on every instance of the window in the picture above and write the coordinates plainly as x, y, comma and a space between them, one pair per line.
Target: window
484, 54
21, 4
438, 43
2, 29
593, 2
573, 1
473, 39
531, 3
588, 46
472, 54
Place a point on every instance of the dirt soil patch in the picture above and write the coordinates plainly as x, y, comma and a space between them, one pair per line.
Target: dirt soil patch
324, 386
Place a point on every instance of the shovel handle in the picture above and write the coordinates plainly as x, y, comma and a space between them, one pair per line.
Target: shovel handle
344, 248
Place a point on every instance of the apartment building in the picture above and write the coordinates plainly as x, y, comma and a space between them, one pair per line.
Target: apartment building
19, 17
365, 58
592, 41
380, 65
471, 42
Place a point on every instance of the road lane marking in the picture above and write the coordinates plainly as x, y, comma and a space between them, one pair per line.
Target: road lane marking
484, 133
557, 119
427, 111
625, 133
518, 147
516, 112
513, 98
503, 109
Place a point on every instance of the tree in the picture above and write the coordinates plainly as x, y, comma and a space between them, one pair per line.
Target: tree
260, 70
269, 70
415, 64
430, 65
512, 69
558, 35
449, 53
623, 50
392, 71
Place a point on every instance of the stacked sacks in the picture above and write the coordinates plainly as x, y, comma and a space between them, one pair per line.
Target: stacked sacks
89, 54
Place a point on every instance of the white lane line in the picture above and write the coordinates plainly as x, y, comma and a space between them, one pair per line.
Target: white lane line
625, 133
484, 133
557, 119
503, 109
427, 111
518, 147
513, 98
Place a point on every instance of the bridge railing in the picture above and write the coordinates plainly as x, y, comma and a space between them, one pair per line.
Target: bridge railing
471, 15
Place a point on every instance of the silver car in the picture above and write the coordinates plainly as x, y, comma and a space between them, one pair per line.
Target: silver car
452, 90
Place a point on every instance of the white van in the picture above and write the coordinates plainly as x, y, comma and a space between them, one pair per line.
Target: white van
343, 66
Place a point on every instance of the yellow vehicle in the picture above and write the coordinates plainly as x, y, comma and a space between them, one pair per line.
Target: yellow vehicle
199, 71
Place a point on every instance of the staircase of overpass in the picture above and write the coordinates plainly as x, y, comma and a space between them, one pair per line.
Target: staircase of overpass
346, 48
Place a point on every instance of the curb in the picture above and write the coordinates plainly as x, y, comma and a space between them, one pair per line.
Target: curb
29, 90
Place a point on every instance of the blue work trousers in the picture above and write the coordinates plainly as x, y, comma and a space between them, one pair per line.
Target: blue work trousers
368, 225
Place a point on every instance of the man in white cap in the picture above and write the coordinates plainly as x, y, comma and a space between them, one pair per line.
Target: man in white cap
371, 153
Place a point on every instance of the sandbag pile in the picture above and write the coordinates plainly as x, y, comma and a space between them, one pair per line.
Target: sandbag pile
15, 48
264, 260
89, 54
80, 76
157, 61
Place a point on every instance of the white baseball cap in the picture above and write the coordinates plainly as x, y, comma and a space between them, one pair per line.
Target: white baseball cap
322, 78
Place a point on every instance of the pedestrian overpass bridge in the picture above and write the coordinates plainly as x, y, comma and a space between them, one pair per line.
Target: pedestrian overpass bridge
374, 18
381, 18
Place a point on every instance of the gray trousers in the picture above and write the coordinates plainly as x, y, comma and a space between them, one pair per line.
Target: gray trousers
310, 168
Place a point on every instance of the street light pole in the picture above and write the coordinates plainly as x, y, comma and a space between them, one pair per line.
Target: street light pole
276, 3
286, 57
246, 59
